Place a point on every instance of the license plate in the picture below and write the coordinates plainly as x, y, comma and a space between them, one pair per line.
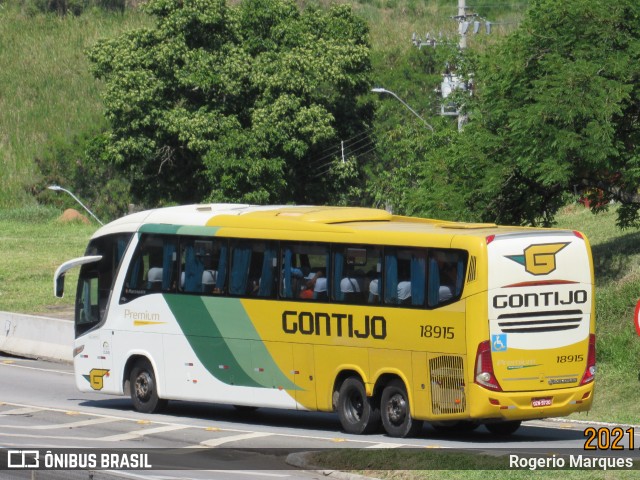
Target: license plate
541, 402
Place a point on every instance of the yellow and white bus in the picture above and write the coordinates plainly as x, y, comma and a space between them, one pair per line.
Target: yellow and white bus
381, 318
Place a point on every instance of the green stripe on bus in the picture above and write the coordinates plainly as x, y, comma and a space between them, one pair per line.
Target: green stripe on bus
195, 230
161, 228
226, 342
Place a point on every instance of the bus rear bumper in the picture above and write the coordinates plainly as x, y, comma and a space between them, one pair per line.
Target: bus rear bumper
486, 404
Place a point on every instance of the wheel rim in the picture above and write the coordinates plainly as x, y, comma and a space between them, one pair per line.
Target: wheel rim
397, 409
143, 386
354, 407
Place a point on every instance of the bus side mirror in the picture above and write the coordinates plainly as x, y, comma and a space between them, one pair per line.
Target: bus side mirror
60, 286
58, 277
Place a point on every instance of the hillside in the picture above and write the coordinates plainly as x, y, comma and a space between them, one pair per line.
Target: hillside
48, 94
50, 98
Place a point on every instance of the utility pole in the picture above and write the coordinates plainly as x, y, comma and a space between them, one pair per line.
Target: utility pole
462, 24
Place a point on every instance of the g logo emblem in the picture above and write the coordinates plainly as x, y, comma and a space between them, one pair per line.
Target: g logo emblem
96, 378
539, 259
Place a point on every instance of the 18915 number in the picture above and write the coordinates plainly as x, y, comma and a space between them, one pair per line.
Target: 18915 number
436, 331
569, 358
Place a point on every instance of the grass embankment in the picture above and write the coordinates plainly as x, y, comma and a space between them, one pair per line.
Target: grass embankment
404, 464
32, 245
616, 256
48, 93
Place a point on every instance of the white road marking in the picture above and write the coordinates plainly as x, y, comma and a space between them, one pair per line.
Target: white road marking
250, 473
21, 411
141, 433
81, 423
386, 445
48, 370
239, 431
214, 442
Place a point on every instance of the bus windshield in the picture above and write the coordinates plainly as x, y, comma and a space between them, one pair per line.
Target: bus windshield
96, 280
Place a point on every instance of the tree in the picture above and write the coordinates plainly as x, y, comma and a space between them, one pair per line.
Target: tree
229, 103
556, 111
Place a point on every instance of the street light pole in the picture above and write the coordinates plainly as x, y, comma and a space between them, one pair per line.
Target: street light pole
384, 90
57, 188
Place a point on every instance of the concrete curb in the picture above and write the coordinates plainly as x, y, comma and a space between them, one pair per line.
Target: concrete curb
302, 460
36, 337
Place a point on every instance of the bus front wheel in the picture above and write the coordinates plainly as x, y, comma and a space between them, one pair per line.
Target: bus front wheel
395, 411
358, 413
144, 389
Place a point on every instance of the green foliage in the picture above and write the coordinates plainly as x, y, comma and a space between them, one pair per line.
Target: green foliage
404, 144
78, 166
228, 102
556, 112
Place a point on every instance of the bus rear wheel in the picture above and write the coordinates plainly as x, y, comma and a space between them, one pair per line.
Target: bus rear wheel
144, 389
455, 426
396, 413
503, 429
358, 413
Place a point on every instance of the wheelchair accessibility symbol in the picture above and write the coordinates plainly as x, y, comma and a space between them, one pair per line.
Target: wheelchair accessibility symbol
499, 342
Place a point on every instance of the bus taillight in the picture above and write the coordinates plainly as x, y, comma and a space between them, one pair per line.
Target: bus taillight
484, 368
590, 371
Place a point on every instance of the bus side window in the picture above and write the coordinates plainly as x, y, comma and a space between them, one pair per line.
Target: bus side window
303, 271
152, 268
253, 270
446, 276
405, 276
355, 271
200, 268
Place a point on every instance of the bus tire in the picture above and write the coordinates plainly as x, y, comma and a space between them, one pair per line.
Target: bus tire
503, 429
455, 426
144, 388
245, 409
396, 413
358, 413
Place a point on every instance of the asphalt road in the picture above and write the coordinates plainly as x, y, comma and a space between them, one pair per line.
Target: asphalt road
41, 408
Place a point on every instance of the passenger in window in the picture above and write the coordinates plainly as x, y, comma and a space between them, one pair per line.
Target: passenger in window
320, 286
374, 291
154, 279
350, 288
448, 280
307, 288
209, 278
253, 287
404, 292
404, 285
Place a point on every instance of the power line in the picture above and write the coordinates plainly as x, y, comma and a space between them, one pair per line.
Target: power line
336, 149
350, 152
330, 164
